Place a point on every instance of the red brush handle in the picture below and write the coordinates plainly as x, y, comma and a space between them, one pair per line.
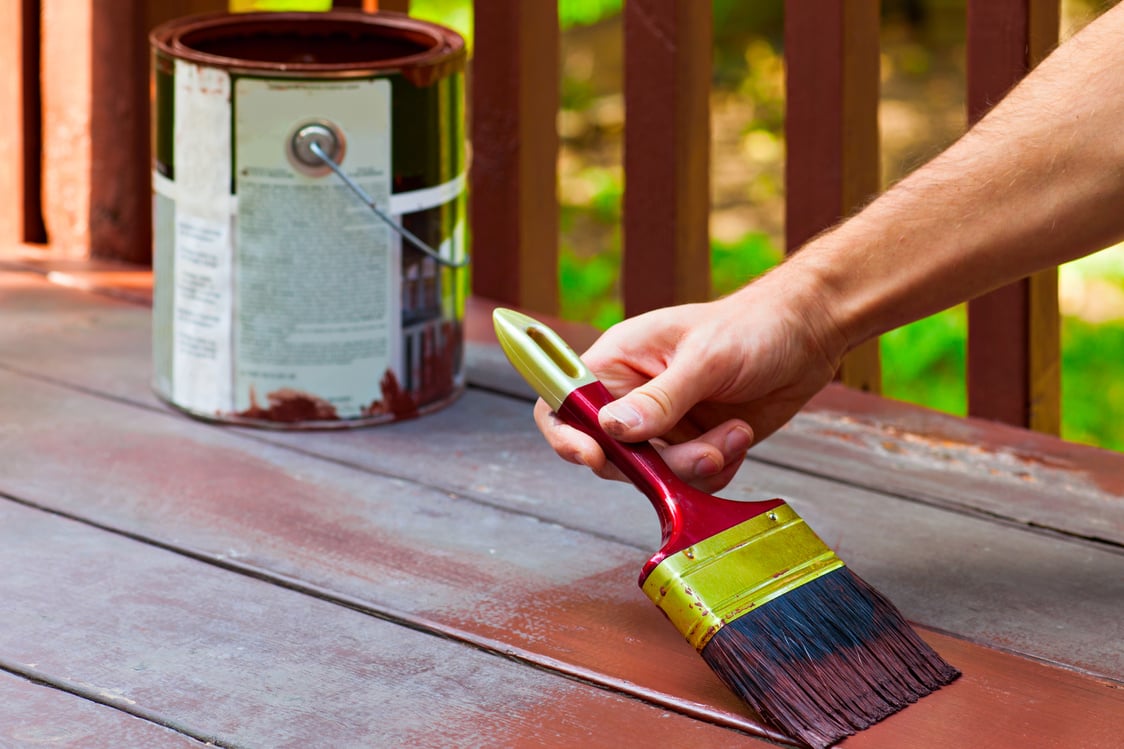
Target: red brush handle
686, 514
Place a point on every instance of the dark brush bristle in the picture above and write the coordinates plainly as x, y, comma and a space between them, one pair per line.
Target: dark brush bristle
827, 659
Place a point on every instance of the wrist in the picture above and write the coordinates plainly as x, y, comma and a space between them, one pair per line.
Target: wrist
823, 278
807, 294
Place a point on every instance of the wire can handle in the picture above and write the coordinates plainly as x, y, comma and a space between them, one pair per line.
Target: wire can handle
310, 140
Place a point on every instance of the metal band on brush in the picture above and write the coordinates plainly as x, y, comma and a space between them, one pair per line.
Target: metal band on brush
706, 586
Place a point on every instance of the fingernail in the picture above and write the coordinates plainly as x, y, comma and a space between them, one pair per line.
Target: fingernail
738, 440
706, 466
621, 417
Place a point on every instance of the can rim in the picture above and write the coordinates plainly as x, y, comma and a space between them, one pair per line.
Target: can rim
443, 53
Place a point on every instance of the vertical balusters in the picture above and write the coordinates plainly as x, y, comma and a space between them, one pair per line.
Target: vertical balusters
1013, 333
666, 153
513, 203
831, 129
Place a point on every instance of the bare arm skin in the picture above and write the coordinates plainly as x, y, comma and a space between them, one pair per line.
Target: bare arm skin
1037, 182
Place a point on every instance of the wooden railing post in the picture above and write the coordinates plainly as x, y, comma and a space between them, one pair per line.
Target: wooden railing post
513, 200
831, 129
1014, 360
666, 153
95, 160
19, 122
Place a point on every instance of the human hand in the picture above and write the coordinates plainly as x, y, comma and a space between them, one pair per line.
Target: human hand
706, 381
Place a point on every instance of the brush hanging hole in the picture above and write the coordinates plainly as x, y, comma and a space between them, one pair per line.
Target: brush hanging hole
561, 355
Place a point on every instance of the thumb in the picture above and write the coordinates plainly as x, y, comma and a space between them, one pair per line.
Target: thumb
654, 408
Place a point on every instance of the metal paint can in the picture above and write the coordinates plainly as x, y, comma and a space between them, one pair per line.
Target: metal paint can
280, 299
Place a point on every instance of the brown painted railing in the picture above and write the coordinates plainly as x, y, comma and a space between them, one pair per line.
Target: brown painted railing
73, 129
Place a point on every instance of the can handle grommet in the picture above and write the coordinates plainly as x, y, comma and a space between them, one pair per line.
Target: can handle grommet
323, 134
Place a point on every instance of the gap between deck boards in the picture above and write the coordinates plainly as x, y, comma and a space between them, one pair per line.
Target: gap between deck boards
93, 696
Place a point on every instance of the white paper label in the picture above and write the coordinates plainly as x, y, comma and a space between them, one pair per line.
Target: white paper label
318, 321
201, 282
201, 354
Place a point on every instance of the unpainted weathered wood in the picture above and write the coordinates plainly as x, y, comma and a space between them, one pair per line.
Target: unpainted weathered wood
227, 658
971, 464
1014, 339
831, 131
513, 203
667, 69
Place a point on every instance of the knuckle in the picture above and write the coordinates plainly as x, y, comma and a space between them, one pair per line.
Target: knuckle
658, 396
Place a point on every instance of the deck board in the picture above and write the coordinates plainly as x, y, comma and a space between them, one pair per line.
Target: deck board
462, 523
238, 661
41, 715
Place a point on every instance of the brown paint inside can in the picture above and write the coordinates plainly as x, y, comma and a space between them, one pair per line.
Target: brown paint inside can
340, 42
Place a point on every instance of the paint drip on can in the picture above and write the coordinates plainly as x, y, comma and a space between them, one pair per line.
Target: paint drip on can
281, 299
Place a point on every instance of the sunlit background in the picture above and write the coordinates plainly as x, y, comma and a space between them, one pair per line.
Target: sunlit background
922, 110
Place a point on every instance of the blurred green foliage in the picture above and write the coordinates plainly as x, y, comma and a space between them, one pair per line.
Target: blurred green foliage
734, 263
923, 362
456, 14
1092, 386
590, 288
585, 12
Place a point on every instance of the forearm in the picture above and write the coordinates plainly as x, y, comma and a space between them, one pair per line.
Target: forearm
1040, 180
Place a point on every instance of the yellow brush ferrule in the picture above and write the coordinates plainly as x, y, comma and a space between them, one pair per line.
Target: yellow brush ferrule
706, 586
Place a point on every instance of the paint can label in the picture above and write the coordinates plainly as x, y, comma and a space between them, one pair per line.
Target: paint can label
316, 278
308, 218
203, 265
289, 300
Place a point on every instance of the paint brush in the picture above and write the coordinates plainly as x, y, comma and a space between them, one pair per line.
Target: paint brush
810, 646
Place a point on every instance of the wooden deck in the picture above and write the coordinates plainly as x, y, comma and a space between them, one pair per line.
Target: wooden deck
449, 582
